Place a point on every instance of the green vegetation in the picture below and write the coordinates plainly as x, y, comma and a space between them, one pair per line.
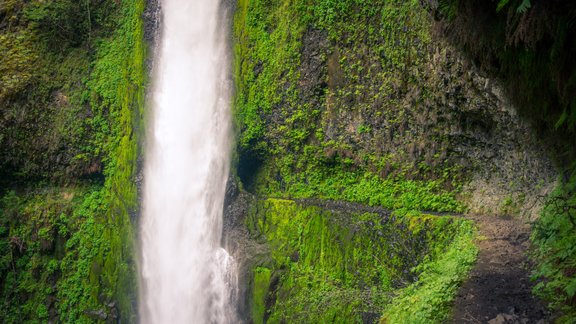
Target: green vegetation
337, 100
49, 48
331, 266
394, 193
344, 100
260, 293
67, 250
429, 300
554, 247
34, 230
323, 101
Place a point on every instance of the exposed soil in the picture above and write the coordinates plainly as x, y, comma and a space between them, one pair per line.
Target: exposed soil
499, 289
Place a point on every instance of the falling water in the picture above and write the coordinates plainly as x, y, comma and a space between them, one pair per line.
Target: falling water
186, 276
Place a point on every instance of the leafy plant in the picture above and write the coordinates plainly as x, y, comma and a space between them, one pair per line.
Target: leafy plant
554, 249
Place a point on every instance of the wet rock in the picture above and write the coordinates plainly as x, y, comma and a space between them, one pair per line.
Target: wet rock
235, 205
151, 19
98, 314
504, 319
236, 240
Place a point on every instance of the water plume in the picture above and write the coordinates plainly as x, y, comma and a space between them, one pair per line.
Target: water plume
186, 276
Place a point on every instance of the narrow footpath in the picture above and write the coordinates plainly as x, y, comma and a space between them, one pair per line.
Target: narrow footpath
499, 289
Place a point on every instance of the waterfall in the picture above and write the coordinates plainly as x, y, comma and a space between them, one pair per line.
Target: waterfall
185, 274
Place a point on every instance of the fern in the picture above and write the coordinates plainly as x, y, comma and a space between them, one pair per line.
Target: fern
561, 120
449, 8
501, 5
525, 5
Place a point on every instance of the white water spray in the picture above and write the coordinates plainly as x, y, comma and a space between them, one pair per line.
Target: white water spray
186, 276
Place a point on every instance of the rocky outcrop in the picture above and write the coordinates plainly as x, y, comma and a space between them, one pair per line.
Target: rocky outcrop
387, 98
445, 115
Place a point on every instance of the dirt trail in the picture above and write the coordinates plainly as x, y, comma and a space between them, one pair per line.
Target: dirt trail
498, 289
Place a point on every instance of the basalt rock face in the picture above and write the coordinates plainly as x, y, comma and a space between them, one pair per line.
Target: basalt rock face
375, 92
528, 45
152, 21
441, 113
236, 240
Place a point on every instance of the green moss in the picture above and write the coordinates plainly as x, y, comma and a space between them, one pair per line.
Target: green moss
275, 31
366, 188
49, 50
429, 300
343, 266
260, 289
18, 55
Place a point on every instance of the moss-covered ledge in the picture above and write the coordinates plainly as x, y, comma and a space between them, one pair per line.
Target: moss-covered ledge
336, 265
